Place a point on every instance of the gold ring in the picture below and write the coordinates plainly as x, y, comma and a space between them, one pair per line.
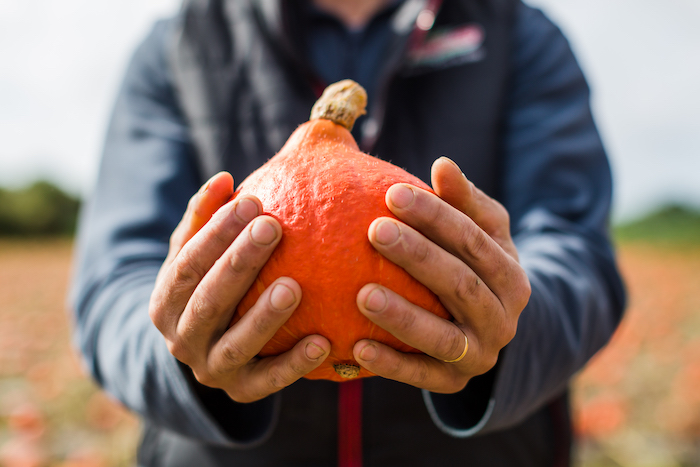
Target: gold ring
464, 352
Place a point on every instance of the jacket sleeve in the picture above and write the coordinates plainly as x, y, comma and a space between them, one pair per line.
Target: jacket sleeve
146, 178
557, 188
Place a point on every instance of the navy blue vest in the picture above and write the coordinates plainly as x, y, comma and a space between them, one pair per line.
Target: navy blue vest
244, 87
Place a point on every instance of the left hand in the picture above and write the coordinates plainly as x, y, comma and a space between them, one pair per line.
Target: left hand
457, 243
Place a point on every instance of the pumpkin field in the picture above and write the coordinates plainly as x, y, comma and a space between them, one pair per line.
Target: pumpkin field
637, 404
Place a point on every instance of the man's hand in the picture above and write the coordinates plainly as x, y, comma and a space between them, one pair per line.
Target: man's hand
215, 254
458, 244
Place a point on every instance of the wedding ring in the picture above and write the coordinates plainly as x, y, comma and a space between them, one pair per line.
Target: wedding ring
464, 352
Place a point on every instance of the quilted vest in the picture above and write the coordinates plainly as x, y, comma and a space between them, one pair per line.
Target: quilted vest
245, 86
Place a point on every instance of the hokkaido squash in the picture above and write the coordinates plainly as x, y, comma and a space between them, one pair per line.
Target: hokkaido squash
325, 193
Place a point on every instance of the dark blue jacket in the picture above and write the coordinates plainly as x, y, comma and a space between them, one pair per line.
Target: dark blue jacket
532, 144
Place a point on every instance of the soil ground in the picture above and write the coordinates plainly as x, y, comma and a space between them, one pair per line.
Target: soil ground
636, 404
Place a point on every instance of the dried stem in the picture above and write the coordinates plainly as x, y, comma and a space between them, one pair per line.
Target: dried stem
342, 102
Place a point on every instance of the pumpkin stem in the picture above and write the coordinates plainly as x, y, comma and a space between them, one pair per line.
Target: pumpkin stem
342, 103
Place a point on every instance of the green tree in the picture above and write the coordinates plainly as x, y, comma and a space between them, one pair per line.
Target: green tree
41, 209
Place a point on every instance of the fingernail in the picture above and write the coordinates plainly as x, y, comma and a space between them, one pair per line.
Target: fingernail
453, 163
246, 210
445, 158
313, 352
368, 353
262, 232
376, 300
204, 187
387, 232
281, 297
401, 196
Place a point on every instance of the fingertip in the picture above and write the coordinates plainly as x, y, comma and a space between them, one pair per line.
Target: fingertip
284, 294
317, 348
365, 351
400, 195
216, 192
384, 231
265, 230
363, 293
221, 182
291, 283
247, 208
450, 184
219, 187
445, 171
440, 161
372, 298
281, 297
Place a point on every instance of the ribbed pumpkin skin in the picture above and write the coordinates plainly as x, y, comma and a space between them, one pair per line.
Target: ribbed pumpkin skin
325, 193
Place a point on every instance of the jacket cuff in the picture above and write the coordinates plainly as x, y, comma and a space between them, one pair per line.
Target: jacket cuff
228, 422
467, 412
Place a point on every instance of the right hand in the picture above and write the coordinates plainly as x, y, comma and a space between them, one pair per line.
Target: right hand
216, 252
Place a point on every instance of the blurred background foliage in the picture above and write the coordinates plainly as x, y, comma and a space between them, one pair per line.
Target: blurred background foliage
672, 225
42, 209
38, 210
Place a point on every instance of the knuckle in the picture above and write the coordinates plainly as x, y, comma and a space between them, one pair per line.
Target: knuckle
261, 324
202, 306
239, 267
240, 396
419, 374
506, 333
450, 347
465, 285
525, 293
246, 397
272, 381
186, 270
244, 393
472, 241
191, 203
518, 296
276, 379
406, 322
224, 226
487, 362
395, 368
176, 239
205, 378
231, 357
510, 329
197, 209
297, 368
157, 315
501, 213
504, 329
436, 213
456, 383
421, 251
179, 350
220, 237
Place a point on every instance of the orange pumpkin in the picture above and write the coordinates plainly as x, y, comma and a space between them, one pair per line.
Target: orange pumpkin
325, 193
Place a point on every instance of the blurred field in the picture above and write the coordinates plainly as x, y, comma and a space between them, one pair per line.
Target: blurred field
636, 405
50, 413
638, 401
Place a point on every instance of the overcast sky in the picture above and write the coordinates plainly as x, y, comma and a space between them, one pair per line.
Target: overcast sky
61, 62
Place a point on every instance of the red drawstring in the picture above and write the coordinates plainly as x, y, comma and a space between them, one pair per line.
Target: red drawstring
350, 392
350, 424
